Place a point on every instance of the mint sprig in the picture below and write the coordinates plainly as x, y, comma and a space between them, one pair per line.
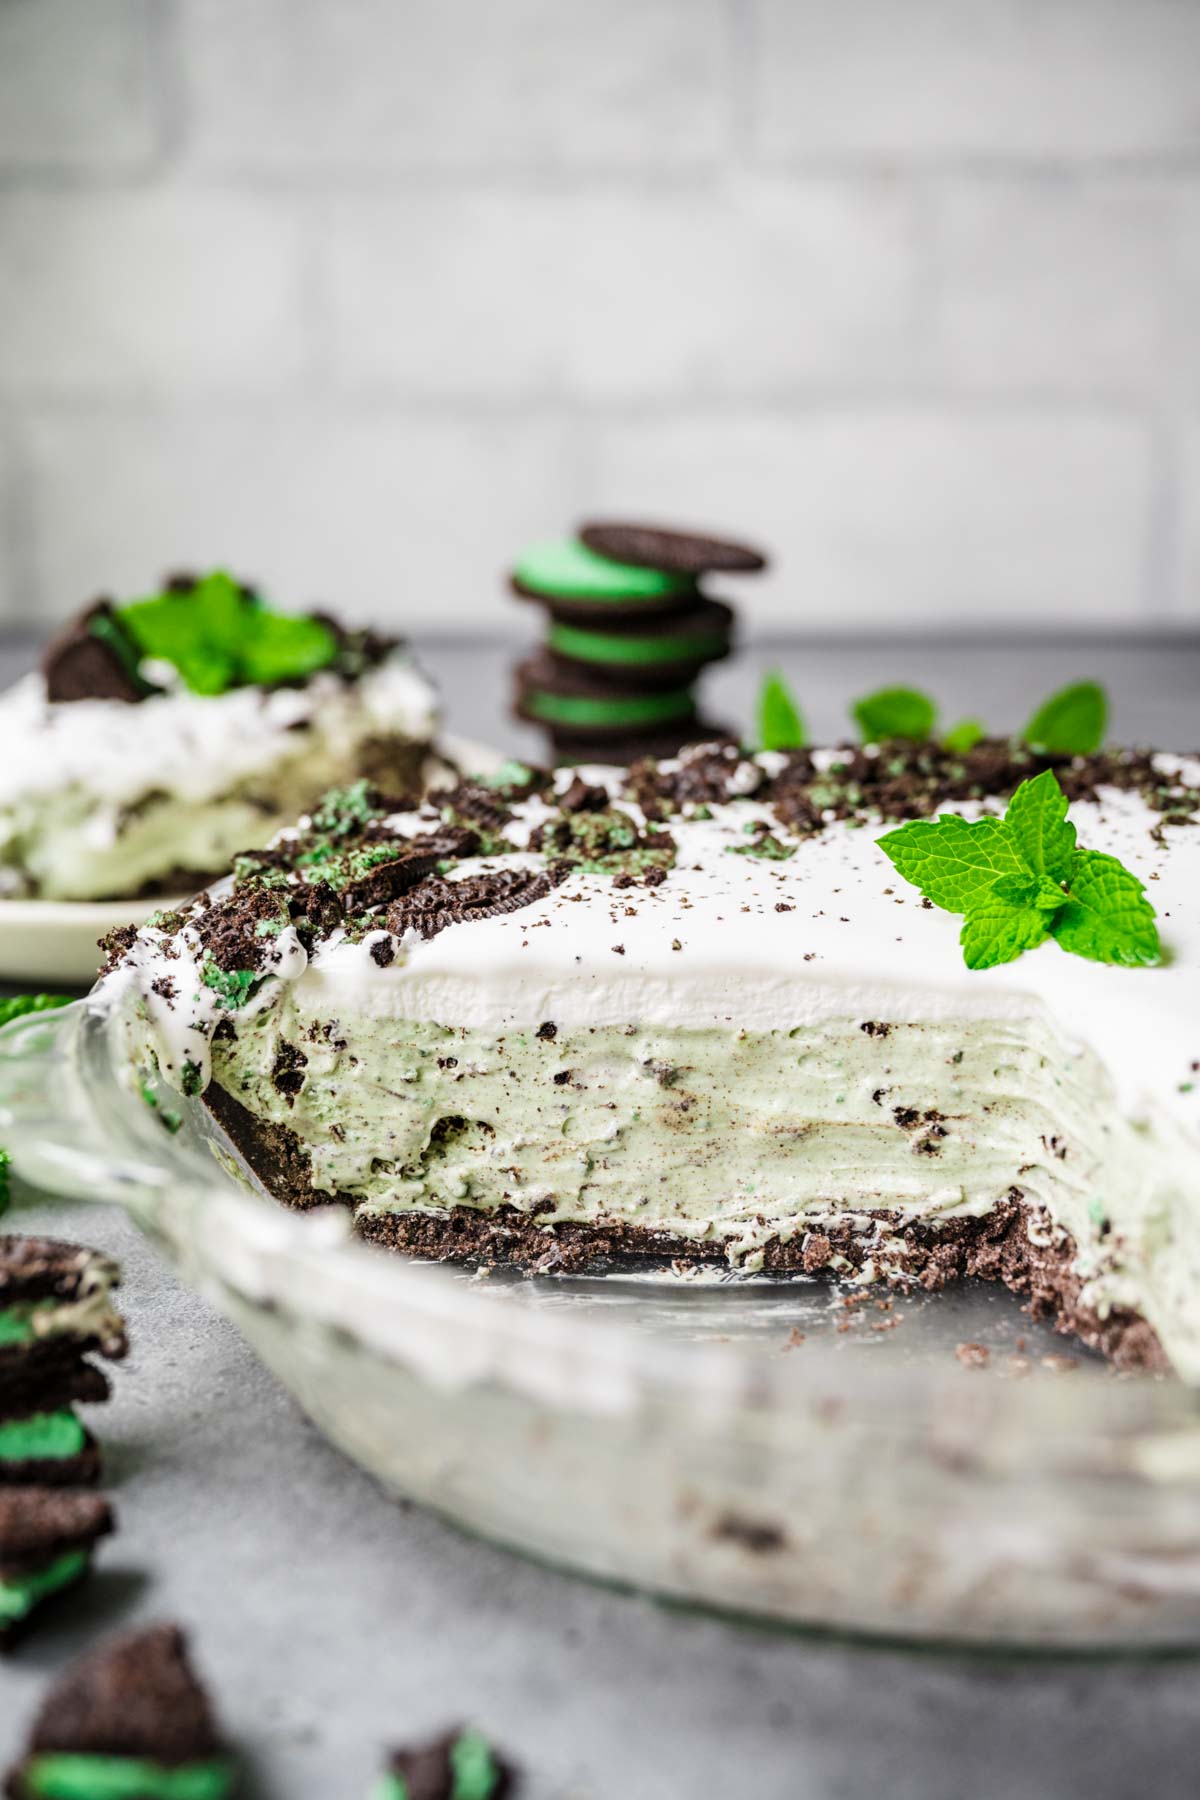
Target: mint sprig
895, 712
1022, 879
1071, 722
219, 635
780, 722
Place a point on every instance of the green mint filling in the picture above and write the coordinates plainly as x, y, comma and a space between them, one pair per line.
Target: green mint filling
19, 1595
220, 636
231, 986
476, 1776
573, 572
48, 1436
620, 709
780, 725
62, 1775
343, 811
766, 846
611, 647
390, 1787
509, 774
1022, 879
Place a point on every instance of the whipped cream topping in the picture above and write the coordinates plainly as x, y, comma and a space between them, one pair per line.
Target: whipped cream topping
195, 747
739, 941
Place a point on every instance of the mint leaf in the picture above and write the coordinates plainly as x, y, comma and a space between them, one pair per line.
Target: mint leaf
955, 864
897, 712
1071, 722
1107, 916
1036, 891
999, 933
218, 635
780, 725
19, 1004
1021, 879
964, 736
1037, 818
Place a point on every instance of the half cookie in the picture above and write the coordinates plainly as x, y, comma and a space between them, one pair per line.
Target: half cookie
46, 1543
571, 701
41, 1440
56, 1303
683, 552
574, 582
129, 1721
459, 1766
668, 650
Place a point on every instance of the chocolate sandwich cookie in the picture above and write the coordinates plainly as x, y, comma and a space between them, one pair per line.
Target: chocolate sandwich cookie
94, 657
41, 1439
46, 1543
572, 702
573, 582
459, 1766
667, 651
55, 1305
679, 552
128, 1721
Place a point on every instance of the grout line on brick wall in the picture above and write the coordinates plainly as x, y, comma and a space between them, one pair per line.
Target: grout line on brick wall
384, 401
525, 181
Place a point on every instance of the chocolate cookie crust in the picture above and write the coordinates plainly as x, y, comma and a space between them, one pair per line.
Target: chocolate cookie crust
1004, 1245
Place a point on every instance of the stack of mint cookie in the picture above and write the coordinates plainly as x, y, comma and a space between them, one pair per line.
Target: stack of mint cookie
56, 1312
628, 633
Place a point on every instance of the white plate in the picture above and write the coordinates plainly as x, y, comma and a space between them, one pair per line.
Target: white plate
54, 941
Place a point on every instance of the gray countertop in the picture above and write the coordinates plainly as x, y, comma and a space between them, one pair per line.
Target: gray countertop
330, 1620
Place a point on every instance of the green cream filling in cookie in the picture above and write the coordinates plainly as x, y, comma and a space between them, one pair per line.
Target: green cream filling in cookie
50, 1436
474, 1773
62, 1775
611, 647
570, 571
617, 709
19, 1595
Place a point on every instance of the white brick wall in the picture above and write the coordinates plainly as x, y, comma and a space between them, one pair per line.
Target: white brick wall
359, 294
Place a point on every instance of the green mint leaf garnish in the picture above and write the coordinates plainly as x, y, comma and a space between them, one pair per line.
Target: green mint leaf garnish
1020, 880
780, 724
219, 635
955, 864
1071, 722
5, 1185
964, 736
998, 933
1037, 818
19, 1004
1038, 892
1107, 915
897, 712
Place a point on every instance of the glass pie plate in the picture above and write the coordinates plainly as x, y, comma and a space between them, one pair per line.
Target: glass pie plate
777, 1449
